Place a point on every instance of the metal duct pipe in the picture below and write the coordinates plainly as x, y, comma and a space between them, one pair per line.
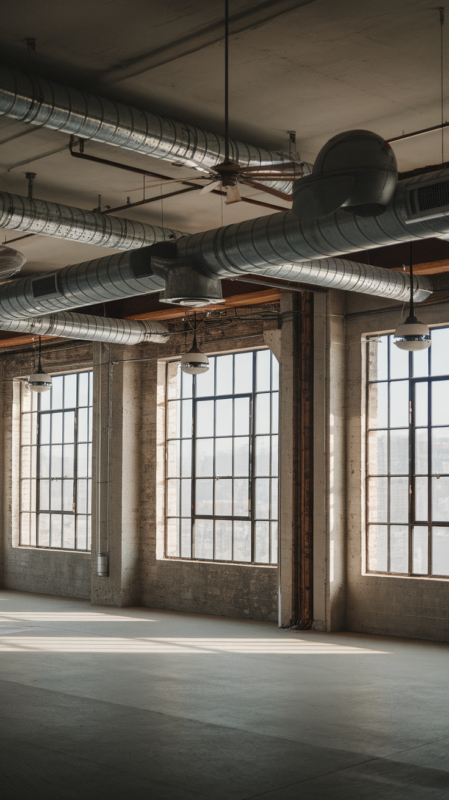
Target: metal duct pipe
38, 101
283, 246
109, 278
91, 328
77, 224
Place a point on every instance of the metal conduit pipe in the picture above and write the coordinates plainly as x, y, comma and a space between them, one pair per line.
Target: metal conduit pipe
108, 278
91, 328
38, 101
283, 246
77, 224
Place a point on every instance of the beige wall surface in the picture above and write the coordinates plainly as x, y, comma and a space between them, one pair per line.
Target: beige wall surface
411, 607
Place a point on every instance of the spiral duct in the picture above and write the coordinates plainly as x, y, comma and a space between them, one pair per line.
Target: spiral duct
72, 325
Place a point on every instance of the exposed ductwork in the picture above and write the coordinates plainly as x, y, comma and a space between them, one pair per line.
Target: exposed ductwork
91, 328
38, 101
77, 224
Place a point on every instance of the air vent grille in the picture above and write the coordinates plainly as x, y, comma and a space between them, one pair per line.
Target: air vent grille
434, 196
42, 287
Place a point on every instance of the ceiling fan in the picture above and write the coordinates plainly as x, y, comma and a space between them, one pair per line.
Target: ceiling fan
228, 174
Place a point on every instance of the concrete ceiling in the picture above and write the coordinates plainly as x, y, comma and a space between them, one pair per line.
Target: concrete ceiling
316, 66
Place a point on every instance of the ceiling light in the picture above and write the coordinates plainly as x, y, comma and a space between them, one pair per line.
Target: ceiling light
39, 381
194, 362
412, 334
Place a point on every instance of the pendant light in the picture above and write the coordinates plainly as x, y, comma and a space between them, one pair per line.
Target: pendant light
412, 334
39, 381
194, 362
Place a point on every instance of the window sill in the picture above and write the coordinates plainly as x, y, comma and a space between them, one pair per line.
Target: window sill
443, 579
174, 559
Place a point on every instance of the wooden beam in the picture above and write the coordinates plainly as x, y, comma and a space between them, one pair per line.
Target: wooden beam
427, 267
236, 301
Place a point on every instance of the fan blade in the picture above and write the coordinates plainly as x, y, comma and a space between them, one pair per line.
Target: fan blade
268, 189
210, 187
232, 195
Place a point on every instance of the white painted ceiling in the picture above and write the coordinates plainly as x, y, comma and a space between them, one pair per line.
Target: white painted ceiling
317, 67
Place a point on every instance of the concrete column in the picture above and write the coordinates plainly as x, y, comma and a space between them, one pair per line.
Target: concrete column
329, 462
116, 474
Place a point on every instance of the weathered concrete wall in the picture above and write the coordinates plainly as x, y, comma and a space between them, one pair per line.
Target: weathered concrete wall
380, 604
26, 568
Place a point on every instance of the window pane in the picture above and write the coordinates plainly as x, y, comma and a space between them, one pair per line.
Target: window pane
421, 451
172, 537
223, 540
186, 538
186, 419
440, 405
275, 412
378, 358
274, 499
56, 391
223, 457
262, 467
440, 499
274, 373
223, 497
68, 531
242, 541
186, 497
421, 499
274, 456
56, 530
186, 458
223, 421
241, 416
82, 461
56, 495
241, 499
262, 413
56, 461
224, 374
67, 494
262, 510
378, 548
399, 548
69, 426
68, 460
186, 384
174, 420
440, 551
174, 374
82, 425
44, 429
173, 459
205, 418
81, 497
378, 405
377, 453
440, 451
205, 458
173, 498
398, 362
70, 391
241, 457
420, 551
44, 495
243, 367
262, 543
399, 499
439, 350
399, 452
25, 504
43, 530
205, 381
44, 462
274, 542
204, 496
44, 401
81, 533
421, 403
263, 377
25, 529
399, 403
204, 538
377, 499
83, 389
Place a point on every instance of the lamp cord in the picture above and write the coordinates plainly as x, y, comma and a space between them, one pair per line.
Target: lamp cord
441, 10
226, 80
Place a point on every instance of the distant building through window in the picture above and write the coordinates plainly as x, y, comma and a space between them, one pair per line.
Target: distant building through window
408, 458
222, 460
56, 464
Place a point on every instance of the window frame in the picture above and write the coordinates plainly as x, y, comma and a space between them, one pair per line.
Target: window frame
413, 523
252, 436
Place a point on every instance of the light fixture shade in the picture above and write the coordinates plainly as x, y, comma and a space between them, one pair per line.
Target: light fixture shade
194, 362
412, 335
39, 382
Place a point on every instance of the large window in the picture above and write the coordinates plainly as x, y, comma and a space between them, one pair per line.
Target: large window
55, 464
222, 460
408, 458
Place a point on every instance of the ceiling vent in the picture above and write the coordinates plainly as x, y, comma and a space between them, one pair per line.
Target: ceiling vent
428, 202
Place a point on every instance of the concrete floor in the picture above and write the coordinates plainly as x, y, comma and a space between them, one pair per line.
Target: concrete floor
128, 703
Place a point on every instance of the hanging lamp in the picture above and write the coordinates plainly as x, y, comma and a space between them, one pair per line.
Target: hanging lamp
412, 334
194, 362
39, 381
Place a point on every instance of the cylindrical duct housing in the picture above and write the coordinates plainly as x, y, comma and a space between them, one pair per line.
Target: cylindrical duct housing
71, 325
77, 224
109, 278
42, 102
